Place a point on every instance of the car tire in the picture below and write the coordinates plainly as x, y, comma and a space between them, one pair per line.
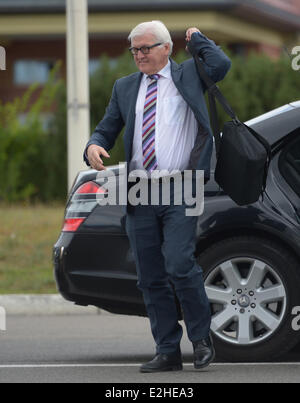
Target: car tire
253, 335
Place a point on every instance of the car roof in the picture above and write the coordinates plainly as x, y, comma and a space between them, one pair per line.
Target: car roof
275, 125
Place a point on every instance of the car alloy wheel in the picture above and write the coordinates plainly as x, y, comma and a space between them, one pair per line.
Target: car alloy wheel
253, 285
248, 300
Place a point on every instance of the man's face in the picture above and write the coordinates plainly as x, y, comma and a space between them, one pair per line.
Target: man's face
153, 62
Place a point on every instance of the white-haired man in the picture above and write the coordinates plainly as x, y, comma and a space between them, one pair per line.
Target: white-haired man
167, 128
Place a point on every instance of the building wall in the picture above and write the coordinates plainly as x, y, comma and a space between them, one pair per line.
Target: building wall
42, 37
54, 50
292, 6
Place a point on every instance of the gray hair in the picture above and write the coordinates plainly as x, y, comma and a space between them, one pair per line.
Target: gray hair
157, 29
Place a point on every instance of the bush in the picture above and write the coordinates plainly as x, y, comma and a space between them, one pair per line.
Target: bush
253, 86
29, 154
101, 84
258, 84
33, 160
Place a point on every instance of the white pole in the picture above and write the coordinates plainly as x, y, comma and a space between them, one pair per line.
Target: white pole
78, 85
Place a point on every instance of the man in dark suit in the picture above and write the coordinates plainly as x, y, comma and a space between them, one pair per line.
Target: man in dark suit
167, 128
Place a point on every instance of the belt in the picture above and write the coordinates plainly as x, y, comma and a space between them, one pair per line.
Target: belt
161, 179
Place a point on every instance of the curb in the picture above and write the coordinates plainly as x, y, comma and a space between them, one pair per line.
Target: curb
43, 304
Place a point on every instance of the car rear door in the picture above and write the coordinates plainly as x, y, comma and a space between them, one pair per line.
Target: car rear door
284, 179
289, 166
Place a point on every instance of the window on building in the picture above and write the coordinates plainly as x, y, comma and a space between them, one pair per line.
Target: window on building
44, 117
27, 72
95, 64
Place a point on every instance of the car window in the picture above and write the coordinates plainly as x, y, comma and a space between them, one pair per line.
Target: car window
289, 165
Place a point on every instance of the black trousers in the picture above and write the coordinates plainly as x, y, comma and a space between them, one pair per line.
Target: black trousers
163, 241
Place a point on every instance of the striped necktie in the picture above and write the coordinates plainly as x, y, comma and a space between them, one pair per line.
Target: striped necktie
148, 142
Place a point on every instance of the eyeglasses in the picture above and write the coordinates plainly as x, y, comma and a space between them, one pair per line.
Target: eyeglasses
144, 49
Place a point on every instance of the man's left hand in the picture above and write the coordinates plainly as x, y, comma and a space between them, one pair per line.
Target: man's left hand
190, 32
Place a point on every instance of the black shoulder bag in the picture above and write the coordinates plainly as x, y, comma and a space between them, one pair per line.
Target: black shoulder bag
243, 155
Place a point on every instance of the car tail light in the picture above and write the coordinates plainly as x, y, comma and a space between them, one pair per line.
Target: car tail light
89, 188
72, 224
82, 203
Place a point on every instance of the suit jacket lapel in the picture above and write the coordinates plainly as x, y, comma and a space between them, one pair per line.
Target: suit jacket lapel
176, 72
187, 88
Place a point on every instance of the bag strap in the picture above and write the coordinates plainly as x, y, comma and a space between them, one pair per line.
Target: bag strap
215, 93
212, 87
215, 122
214, 90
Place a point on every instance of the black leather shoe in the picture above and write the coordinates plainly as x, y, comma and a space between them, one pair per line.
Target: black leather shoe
163, 362
204, 353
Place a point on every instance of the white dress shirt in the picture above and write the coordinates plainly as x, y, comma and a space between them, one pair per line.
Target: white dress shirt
175, 126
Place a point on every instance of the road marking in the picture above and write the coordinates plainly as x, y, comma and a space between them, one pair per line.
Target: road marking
219, 364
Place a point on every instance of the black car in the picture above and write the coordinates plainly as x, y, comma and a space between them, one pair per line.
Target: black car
250, 255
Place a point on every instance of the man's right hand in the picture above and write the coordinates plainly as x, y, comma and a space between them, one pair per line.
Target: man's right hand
93, 153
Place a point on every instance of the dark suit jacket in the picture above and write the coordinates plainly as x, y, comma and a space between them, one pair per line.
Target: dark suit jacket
121, 109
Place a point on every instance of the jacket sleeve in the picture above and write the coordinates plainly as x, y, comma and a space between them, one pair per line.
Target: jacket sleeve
217, 64
109, 128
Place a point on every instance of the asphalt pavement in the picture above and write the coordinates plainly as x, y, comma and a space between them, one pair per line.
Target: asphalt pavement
105, 348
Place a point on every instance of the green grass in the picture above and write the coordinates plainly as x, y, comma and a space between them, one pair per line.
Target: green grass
27, 235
